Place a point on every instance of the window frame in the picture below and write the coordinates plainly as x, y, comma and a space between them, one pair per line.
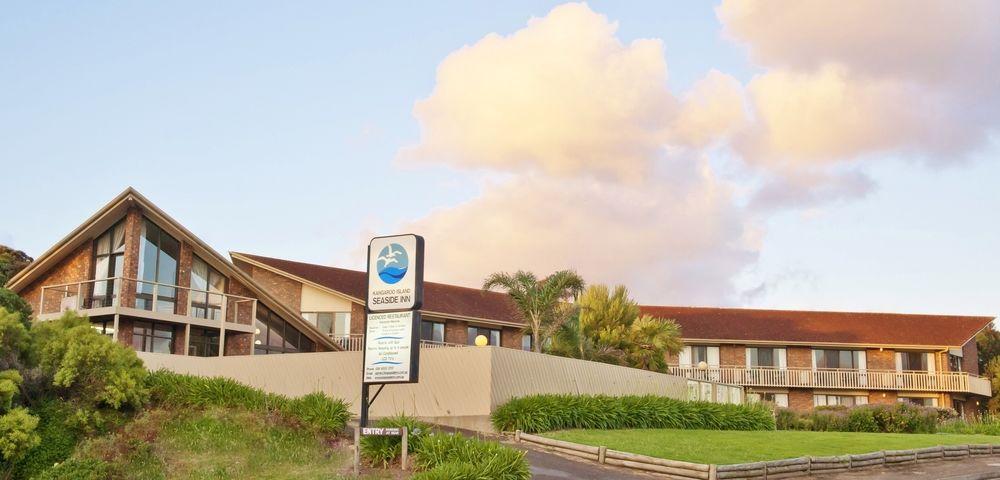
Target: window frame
146, 340
206, 344
433, 324
161, 298
114, 268
471, 339
264, 347
207, 306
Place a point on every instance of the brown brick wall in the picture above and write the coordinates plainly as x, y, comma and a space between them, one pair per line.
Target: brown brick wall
180, 339
456, 331
799, 357
970, 357
800, 400
239, 313
184, 277
881, 360
510, 337
125, 332
133, 234
287, 291
238, 343
732, 355
75, 267
357, 319
885, 398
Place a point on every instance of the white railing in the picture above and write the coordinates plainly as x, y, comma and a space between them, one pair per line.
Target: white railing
90, 295
433, 344
831, 378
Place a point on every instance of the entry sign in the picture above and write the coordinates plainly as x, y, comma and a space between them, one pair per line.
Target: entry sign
395, 273
391, 347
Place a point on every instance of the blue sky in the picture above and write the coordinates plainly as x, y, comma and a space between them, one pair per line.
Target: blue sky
275, 129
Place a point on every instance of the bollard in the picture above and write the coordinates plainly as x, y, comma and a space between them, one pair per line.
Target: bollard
406, 438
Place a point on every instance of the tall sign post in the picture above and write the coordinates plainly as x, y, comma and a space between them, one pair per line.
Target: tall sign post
392, 316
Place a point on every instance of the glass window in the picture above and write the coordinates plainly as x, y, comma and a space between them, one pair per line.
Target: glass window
153, 337
337, 324
777, 399
105, 327
847, 359
763, 357
914, 361
921, 401
207, 289
492, 335
954, 363
526, 342
204, 342
158, 257
699, 353
432, 331
842, 400
109, 255
274, 335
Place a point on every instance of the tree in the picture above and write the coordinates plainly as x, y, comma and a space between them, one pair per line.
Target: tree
11, 262
17, 425
609, 328
992, 372
988, 344
13, 303
541, 302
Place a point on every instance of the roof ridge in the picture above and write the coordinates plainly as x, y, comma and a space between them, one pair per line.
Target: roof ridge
831, 312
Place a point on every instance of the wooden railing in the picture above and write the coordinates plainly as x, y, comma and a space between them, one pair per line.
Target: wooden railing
832, 378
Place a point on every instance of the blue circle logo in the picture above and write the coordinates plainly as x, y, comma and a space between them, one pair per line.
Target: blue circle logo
392, 263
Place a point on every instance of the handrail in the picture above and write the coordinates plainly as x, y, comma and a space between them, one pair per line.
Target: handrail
148, 282
861, 379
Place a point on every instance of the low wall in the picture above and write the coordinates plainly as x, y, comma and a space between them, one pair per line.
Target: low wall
458, 386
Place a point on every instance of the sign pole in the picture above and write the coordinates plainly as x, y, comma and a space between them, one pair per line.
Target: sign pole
363, 421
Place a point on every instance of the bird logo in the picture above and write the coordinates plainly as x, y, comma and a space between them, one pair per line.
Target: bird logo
392, 263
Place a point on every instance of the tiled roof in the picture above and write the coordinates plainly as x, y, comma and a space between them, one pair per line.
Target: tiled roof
438, 297
736, 324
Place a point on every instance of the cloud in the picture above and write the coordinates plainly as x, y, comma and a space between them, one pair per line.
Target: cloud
562, 96
669, 243
711, 110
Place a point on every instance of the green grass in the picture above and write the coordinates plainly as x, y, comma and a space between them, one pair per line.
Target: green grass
725, 447
214, 443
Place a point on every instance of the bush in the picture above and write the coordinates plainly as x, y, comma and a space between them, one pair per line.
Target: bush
985, 425
89, 469
455, 457
58, 434
895, 418
383, 451
13, 303
315, 411
542, 413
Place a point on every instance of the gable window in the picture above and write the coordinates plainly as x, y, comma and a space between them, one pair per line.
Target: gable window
207, 288
274, 335
153, 337
204, 342
843, 359
158, 254
492, 335
109, 262
432, 331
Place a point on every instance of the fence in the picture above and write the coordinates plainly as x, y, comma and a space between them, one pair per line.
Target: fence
791, 467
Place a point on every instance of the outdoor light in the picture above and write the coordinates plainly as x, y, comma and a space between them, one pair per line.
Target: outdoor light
481, 341
256, 342
256, 331
702, 365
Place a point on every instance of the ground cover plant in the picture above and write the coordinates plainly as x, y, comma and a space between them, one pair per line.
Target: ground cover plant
543, 413
984, 425
891, 418
725, 447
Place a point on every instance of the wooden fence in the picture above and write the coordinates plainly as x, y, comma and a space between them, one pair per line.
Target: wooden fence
774, 469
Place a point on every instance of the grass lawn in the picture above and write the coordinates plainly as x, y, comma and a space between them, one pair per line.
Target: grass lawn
725, 447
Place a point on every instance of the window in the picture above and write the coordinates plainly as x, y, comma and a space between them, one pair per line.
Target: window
207, 288
526, 340
954, 363
109, 255
846, 359
204, 342
432, 331
843, 400
492, 336
913, 361
777, 399
921, 401
337, 324
105, 327
763, 357
158, 254
274, 335
699, 353
153, 337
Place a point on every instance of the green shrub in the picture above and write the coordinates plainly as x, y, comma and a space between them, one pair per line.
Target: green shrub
315, 411
59, 435
985, 425
13, 303
449, 456
894, 418
89, 469
862, 420
542, 413
385, 450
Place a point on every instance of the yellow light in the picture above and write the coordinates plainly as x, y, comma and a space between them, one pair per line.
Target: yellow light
482, 341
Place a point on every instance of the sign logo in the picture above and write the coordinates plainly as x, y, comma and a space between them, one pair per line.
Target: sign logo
392, 263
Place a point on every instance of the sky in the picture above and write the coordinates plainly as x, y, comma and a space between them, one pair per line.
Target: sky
805, 155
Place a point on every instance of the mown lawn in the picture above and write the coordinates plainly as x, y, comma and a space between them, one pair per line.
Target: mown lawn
724, 447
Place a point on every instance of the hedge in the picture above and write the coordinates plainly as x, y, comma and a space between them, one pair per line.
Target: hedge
543, 413
894, 418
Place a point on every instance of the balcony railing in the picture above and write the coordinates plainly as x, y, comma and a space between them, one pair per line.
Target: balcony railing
131, 296
836, 378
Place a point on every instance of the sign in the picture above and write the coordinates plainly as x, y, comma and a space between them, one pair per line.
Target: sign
391, 347
395, 273
382, 431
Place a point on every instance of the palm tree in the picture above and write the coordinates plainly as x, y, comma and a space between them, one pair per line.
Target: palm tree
541, 302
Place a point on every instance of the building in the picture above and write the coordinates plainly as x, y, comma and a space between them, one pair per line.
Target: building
804, 359
148, 282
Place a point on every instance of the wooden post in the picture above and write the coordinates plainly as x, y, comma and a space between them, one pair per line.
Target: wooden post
357, 451
713, 472
406, 437
517, 436
602, 453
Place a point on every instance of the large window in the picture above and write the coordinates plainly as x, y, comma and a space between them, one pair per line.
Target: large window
921, 401
834, 400
913, 361
954, 363
104, 326
526, 342
432, 331
204, 342
153, 337
848, 359
699, 353
762, 357
207, 288
158, 254
337, 324
109, 262
274, 335
492, 336
776, 399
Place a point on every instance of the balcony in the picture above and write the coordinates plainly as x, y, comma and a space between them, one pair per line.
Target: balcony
912, 381
149, 300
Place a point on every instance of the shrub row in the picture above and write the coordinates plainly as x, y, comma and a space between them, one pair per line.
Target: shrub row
445, 456
895, 418
543, 413
315, 411
986, 425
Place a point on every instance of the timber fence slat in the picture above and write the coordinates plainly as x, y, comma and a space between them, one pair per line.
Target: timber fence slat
619, 455
649, 467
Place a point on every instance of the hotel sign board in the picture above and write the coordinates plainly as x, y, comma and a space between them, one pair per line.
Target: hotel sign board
395, 273
391, 347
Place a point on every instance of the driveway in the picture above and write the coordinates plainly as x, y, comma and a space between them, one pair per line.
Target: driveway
973, 468
547, 465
